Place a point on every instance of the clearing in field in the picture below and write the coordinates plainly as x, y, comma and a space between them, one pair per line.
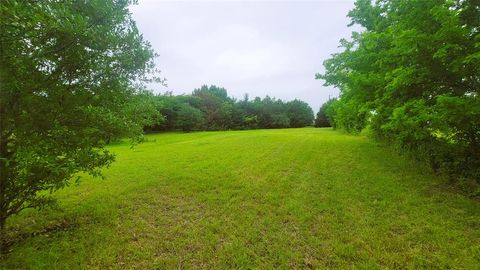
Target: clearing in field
283, 199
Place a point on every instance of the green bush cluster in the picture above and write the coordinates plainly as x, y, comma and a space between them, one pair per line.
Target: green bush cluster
412, 77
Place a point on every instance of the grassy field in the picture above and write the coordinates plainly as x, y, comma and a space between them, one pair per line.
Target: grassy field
266, 199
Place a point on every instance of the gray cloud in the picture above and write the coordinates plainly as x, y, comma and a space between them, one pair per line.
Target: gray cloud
256, 47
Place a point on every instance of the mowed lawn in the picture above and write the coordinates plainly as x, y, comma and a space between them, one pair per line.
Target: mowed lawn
263, 199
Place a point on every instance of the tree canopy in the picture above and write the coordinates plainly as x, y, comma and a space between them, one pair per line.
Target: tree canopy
69, 71
412, 76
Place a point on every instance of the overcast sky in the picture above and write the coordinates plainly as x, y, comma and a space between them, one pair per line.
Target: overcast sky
257, 47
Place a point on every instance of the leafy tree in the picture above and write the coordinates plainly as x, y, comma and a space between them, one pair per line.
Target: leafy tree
271, 112
412, 77
321, 119
250, 121
300, 113
143, 111
324, 116
188, 118
216, 106
279, 120
68, 71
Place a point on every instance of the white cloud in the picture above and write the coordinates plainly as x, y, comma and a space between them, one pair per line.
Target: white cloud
245, 53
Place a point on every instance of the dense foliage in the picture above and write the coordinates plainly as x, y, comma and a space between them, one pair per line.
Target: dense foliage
210, 108
324, 117
412, 76
68, 70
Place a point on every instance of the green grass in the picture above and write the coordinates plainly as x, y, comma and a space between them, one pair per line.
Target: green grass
266, 199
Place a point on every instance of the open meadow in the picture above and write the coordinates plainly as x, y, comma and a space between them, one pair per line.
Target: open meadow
180, 134
266, 199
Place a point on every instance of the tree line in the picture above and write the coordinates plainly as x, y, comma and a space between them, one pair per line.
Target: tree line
210, 108
411, 78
